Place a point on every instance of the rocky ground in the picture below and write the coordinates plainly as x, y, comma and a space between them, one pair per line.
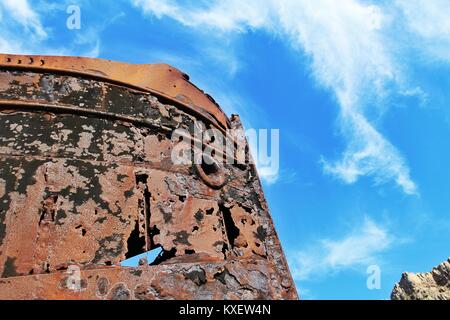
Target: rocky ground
434, 285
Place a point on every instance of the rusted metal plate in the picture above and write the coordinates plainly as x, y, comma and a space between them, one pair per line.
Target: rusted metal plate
243, 279
161, 79
87, 181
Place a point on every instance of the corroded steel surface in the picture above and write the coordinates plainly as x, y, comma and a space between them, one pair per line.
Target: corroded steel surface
87, 180
160, 79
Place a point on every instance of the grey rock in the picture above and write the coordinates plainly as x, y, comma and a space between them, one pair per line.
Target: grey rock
434, 285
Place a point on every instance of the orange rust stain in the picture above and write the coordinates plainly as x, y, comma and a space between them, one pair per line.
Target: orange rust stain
159, 78
87, 181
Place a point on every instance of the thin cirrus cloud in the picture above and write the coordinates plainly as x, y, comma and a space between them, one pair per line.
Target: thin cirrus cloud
428, 20
17, 21
353, 49
22, 13
23, 30
361, 247
354, 52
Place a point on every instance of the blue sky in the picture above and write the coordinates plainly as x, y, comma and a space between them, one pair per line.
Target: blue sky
357, 88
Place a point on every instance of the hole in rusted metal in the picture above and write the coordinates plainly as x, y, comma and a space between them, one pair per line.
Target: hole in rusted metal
143, 258
83, 231
230, 227
144, 208
135, 242
164, 256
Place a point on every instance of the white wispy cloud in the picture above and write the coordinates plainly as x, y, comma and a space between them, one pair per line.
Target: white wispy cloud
17, 22
90, 35
361, 247
222, 15
352, 52
22, 13
429, 22
369, 153
23, 31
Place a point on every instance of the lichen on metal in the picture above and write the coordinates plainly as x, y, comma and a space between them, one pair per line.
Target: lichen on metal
87, 181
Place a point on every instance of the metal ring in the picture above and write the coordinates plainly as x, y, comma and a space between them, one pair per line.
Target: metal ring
211, 173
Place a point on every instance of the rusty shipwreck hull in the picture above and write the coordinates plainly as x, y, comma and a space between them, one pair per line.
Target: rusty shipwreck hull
86, 180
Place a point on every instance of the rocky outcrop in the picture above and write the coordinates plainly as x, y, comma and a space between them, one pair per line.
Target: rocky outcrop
434, 285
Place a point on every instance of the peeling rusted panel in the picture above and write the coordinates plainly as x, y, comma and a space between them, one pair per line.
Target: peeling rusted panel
161, 79
87, 181
238, 279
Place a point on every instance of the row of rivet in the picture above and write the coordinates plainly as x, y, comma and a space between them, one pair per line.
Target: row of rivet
19, 61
